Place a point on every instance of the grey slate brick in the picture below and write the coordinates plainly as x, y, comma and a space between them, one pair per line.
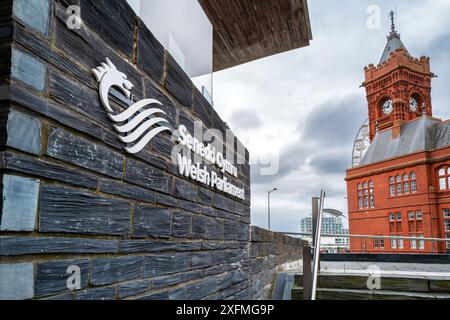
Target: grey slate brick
73, 211
114, 270
34, 13
52, 276
154, 222
16, 281
24, 132
20, 201
132, 288
96, 294
81, 152
28, 70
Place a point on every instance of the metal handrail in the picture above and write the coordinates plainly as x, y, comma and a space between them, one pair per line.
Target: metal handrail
369, 237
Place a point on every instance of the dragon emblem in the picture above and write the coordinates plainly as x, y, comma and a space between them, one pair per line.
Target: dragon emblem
137, 125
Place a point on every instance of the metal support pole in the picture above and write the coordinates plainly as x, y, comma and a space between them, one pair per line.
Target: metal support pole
268, 209
316, 258
315, 213
307, 272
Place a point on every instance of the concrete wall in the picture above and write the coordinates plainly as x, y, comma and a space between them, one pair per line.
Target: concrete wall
74, 203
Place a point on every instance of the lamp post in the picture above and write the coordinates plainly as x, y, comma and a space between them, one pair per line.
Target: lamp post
268, 204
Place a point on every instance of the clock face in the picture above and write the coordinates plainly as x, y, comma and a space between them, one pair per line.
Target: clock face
388, 107
413, 105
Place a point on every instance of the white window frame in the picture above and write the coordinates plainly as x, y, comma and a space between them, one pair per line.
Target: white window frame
421, 243
413, 243
393, 243
419, 215
447, 225
446, 212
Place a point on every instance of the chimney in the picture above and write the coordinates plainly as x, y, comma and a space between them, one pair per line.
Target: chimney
397, 128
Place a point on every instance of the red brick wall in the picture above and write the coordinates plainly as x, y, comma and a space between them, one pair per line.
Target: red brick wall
428, 199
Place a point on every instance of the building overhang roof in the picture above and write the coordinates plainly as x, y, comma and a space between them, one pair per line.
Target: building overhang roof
247, 30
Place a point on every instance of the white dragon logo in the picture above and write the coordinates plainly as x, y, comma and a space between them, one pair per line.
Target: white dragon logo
134, 121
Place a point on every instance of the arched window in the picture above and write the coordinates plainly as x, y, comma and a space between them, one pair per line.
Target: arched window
360, 196
412, 177
371, 195
366, 195
392, 186
406, 184
398, 180
444, 178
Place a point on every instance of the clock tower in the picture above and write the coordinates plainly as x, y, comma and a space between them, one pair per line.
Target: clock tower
398, 89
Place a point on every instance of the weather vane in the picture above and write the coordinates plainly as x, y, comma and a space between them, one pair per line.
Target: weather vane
392, 15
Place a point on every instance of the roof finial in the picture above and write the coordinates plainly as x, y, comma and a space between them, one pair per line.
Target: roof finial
392, 15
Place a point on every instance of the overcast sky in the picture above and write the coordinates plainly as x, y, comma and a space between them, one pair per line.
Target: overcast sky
306, 105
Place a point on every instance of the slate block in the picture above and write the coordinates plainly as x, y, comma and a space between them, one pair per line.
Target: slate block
177, 294
53, 276
205, 196
182, 225
199, 226
166, 264
150, 53
185, 190
106, 293
109, 271
73, 211
130, 289
162, 282
178, 83
192, 275
62, 297
214, 229
230, 230
16, 281
78, 97
201, 289
28, 70
48, 170
147, 176
153, 222
34, 13
83, 153
127, 191
16, 246
144, 246
155, 296
201, 260
20, 202
24, 132
223, 203
113, 20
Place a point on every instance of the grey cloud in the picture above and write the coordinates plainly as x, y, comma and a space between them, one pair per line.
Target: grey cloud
335, 122
245, 120
331, 162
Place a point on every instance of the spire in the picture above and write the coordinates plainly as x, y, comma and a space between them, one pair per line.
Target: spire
392, 15
394, 41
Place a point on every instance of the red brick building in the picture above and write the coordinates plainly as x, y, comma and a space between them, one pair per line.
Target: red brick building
402, 184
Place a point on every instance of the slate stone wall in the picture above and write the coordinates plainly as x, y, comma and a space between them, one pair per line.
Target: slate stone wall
74, 201
270, 253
